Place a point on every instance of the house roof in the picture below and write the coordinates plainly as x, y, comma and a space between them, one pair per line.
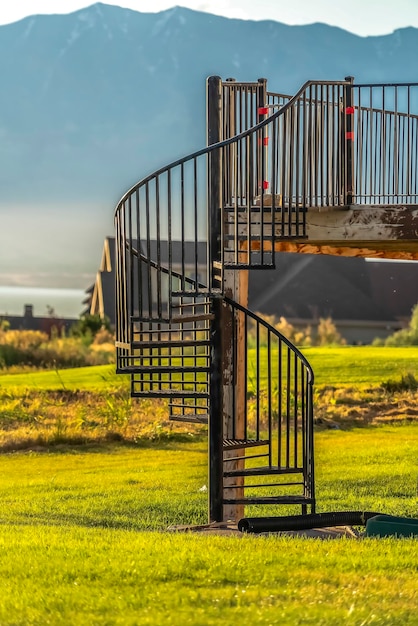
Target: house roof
313, 286
302, 286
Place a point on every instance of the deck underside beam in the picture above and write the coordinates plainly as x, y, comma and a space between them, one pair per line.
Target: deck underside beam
385, 232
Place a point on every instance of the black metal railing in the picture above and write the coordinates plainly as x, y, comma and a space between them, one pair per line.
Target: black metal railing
294, 153
271, 407
337, 144
333, 144
295, 159
246, 104
384, 131
169, 234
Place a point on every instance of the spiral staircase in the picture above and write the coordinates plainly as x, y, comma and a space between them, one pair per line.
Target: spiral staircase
186, 237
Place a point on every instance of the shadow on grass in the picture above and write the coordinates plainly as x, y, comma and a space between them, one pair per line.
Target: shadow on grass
157, 516
109, 443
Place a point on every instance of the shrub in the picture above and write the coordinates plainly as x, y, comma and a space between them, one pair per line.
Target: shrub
89, 325
17, 347
35, 349
23, 339
103, 336
327, 333
408, 382
407, 336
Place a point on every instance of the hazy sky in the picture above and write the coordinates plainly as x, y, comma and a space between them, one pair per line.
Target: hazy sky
363, 17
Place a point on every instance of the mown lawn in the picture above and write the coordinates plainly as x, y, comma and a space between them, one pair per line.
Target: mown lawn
89, 576
338, 365
96, 377
83, 540
361, 365
83, 528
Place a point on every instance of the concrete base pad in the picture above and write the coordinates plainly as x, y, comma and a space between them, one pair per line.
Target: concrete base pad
228, 529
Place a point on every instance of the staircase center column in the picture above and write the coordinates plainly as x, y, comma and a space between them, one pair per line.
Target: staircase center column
215, 458
235, 286
234, 388
228, 345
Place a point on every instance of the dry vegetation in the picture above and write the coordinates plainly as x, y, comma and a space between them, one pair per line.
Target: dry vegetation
325, 333
36, 349
36, 418
353, 407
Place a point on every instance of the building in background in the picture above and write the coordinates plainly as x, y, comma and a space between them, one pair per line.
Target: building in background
46, 324
366, 298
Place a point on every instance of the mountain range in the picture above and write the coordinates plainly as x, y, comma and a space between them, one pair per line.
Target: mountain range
96, 99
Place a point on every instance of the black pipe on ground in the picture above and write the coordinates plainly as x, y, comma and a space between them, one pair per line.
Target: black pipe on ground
304, 522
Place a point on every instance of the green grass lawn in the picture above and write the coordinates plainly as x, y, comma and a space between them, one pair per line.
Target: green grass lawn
361, 365
339, 365
96, 377
82, 540
83, 537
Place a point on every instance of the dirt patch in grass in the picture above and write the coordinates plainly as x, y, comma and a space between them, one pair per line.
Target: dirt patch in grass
38, 419
35, 419
353, 407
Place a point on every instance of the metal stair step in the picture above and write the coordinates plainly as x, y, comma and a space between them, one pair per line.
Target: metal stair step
204, 292
237, 444
168, 393
252, 237
190, 419
263, 471
171, 343
270, 500
249, 266
188, 305
166, 369
266, 208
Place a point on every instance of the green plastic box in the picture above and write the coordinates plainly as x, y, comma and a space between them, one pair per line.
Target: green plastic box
391, 526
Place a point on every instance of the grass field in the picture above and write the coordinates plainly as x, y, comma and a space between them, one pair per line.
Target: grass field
339, 366
83, 536
83, 405
79, 540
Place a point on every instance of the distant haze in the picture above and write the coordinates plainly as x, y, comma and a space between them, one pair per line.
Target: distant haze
59, 302
52, 247
95, 100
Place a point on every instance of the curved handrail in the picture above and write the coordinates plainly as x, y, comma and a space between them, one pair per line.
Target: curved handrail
163, 269
225, 142
274, 332
156, 210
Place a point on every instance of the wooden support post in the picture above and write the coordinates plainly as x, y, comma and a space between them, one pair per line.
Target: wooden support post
228, 341
234, 387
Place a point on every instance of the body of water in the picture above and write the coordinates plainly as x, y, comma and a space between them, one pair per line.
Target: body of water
64, 302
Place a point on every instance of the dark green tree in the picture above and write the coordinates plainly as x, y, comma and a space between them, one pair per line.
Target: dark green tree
89, 325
